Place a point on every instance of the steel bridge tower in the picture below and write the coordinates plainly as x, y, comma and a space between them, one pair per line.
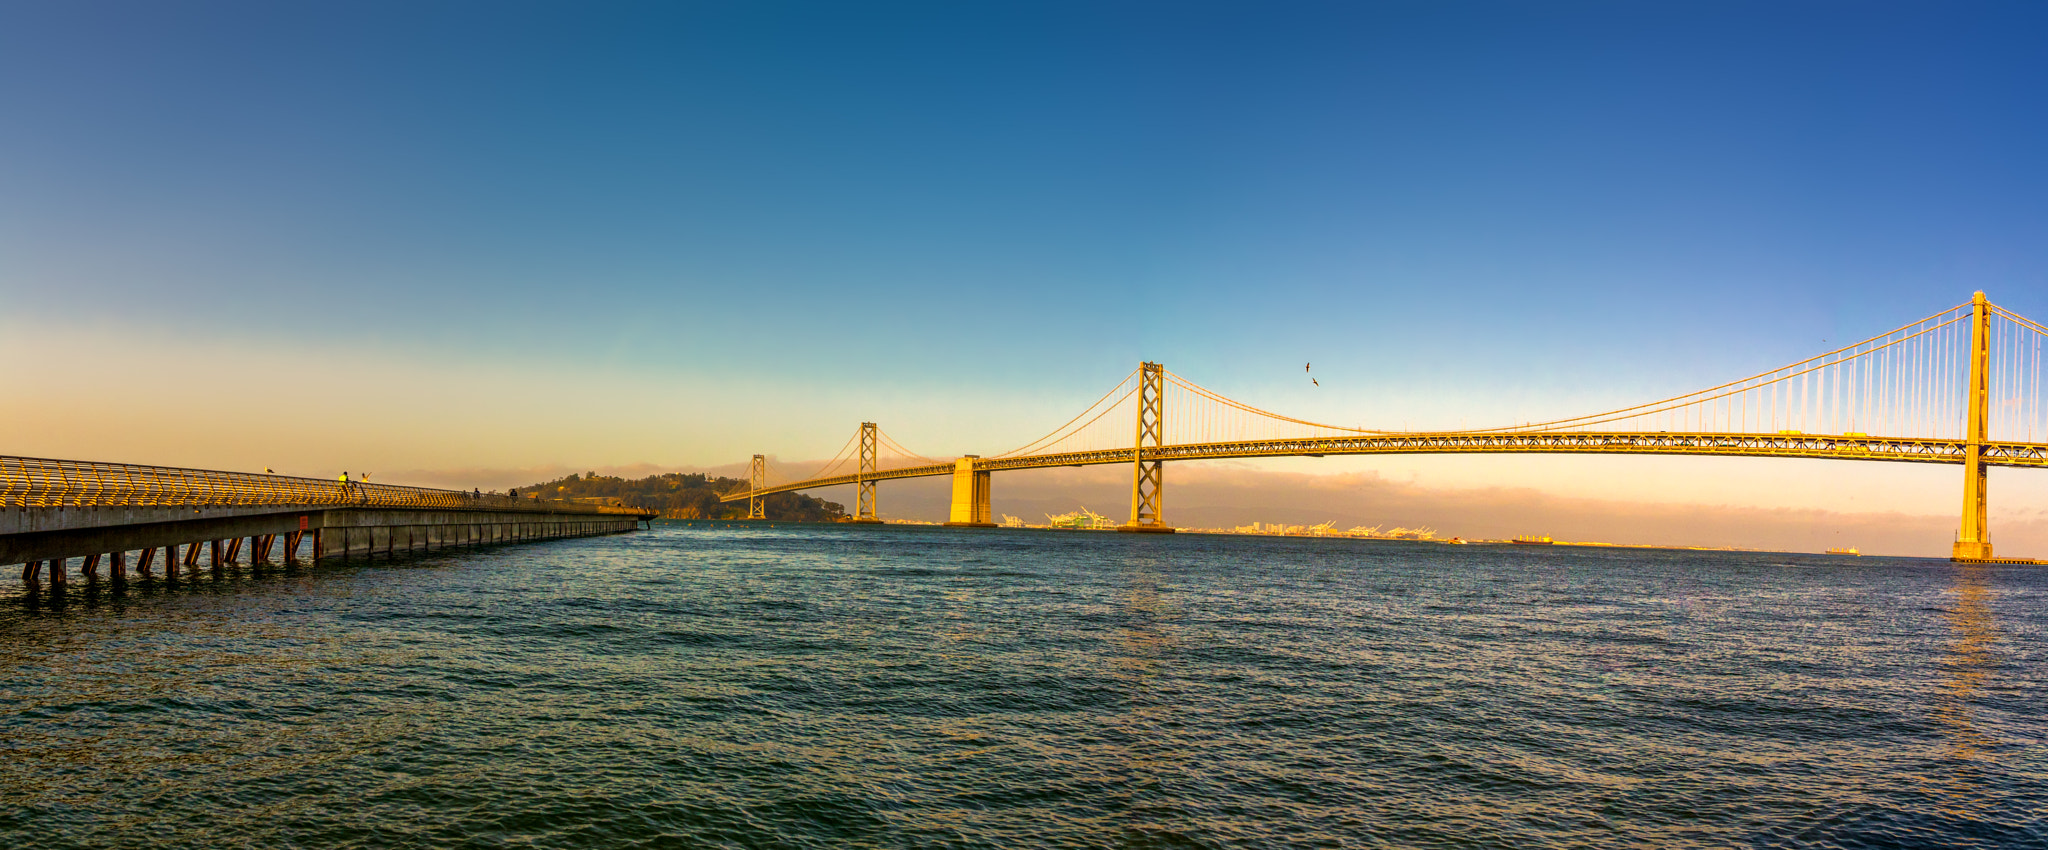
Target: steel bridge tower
755, 472
1148, 477
864, 483
1973, 540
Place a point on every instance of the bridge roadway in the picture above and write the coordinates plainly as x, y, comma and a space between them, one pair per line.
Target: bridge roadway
54, 511
1821, 446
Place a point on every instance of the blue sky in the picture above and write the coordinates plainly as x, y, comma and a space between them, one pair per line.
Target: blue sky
746, 226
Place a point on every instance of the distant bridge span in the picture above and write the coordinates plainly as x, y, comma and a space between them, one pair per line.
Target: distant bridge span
1820, 446
1934, 391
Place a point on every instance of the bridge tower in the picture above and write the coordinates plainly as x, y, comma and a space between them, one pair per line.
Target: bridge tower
755, 472
864, 499
1148, 477
1974, 539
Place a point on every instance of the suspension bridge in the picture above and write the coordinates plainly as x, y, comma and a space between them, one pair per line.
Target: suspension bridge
1962, 386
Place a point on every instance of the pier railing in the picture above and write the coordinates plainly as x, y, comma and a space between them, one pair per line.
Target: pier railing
27, 482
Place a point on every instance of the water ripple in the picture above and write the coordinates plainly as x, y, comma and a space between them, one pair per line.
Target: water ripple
850, 687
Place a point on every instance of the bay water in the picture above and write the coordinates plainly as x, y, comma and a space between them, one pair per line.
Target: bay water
723, 685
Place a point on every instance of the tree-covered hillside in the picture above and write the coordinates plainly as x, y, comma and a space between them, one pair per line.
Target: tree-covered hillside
680, 496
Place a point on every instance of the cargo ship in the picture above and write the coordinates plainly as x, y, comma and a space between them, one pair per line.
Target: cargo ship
1849, 551
1533, 541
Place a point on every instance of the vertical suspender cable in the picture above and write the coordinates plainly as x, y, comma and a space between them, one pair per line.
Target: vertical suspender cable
1911, 386
2000, 341
1902, 384
1920, 376
1907, 356
1897, 398
1831, 392
1995, 361
1929, 407
2009, 398
1940, 376
1956, 359
1954, 387
2003, 364
1796, 412
1934, 379
1863, 378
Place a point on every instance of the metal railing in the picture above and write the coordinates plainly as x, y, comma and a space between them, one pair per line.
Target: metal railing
27, 482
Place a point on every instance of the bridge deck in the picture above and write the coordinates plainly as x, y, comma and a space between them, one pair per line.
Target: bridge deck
1818, 446
53, 510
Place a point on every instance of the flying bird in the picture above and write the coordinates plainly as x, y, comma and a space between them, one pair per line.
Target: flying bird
1304, 367
1316, 382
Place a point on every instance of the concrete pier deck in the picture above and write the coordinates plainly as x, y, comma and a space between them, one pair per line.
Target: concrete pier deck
121, 515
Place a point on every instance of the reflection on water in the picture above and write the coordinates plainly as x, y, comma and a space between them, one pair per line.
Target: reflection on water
1969, 660
827, 687
1140, 633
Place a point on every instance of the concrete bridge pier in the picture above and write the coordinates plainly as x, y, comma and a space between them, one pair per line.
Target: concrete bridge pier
970, 495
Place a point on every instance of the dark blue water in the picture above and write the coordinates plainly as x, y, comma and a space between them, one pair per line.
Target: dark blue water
849, 687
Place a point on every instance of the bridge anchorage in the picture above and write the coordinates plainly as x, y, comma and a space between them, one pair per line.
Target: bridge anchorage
1962, 386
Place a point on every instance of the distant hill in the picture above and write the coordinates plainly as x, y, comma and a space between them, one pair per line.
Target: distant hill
679, 496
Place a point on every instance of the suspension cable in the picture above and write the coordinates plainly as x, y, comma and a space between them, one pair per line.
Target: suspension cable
1212, 395
889, 441
837, 458
1701, 395
1077, 418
